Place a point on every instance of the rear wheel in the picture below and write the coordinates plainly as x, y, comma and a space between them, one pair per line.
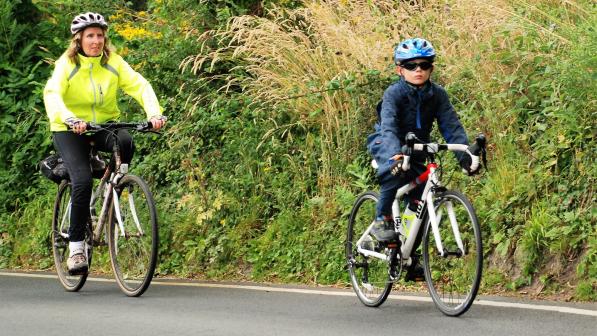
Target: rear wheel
369, 275
453, 280
133, 247
60, 226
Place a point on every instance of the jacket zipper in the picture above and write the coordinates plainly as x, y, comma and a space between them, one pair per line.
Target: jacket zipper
101, 94
418, 109
93, 89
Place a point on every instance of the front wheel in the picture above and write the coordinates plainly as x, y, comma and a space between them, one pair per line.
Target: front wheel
60, 251
133, 235
453, 279
369, 275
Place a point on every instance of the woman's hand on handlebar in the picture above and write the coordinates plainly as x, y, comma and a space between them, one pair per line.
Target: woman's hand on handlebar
157, 122
78, 126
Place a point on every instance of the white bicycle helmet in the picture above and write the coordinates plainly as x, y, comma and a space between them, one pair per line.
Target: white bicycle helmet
83, 21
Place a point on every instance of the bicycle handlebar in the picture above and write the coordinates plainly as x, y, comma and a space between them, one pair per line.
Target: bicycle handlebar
475, 151
137, 126
143, 126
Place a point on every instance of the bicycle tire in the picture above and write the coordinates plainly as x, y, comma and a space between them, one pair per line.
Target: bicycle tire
363, 269
60, 251
453, 281
134, 255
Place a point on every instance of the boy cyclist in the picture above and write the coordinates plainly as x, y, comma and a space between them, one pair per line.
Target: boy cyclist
410, 105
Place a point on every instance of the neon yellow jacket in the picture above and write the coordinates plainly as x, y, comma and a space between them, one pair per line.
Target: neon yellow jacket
89, 91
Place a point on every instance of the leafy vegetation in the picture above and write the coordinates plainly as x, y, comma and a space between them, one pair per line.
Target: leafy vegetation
269, 106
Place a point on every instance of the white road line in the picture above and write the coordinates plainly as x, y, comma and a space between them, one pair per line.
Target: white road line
559, 309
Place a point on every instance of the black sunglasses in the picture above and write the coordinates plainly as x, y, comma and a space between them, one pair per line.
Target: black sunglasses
412, 66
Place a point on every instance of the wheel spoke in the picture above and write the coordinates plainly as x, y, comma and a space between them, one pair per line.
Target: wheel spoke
453, 281
60, 226
133, 236
369, 275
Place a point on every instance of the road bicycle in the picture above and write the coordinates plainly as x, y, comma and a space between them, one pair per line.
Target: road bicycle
452, 249
123, 213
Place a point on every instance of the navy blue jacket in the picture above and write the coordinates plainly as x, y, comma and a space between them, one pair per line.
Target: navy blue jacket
404, 109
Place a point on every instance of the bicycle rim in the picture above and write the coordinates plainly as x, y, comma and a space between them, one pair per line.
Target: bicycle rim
369, 276
453, 281
133, 252
60, 226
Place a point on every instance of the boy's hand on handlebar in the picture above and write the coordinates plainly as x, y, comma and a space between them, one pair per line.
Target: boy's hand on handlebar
475, 149
78, 126
466, 167
469, 172
396, 167
157, 122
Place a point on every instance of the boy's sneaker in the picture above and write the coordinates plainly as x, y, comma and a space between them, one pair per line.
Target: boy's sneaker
383, 230
77, 264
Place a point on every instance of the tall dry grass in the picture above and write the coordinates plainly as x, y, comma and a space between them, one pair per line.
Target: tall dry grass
292, 56
322, 68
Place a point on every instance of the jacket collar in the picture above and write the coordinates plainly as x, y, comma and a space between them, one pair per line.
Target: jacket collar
84, 60
425, 91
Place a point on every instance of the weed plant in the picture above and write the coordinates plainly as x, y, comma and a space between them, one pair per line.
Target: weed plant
269, 109
317, 72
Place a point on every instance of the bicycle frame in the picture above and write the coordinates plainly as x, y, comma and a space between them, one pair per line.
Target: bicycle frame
432, 184
444, 222
108, 182
106, 186
130, 231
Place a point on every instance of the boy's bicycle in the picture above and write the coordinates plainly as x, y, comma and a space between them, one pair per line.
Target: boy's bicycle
452, 248
123, 203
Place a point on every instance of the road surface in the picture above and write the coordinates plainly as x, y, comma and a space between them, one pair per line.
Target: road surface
37, 305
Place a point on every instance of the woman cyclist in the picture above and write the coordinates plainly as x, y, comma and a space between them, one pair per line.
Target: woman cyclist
83, 88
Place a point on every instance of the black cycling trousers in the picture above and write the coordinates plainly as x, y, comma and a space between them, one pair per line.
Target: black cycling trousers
74, 150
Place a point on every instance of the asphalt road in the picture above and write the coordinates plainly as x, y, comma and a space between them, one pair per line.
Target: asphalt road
39, 306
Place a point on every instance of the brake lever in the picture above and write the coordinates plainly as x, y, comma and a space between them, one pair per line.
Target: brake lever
482, 143
91, 126
146, 127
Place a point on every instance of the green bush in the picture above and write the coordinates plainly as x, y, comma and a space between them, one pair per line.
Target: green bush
269, 108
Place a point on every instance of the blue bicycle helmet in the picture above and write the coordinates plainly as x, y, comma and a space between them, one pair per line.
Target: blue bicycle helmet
413, 48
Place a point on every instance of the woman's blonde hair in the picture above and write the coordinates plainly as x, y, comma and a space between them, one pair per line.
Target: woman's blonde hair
75, 47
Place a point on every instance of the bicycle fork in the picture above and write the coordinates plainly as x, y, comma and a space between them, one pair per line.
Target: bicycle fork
435, 219
132, 209
131, 202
